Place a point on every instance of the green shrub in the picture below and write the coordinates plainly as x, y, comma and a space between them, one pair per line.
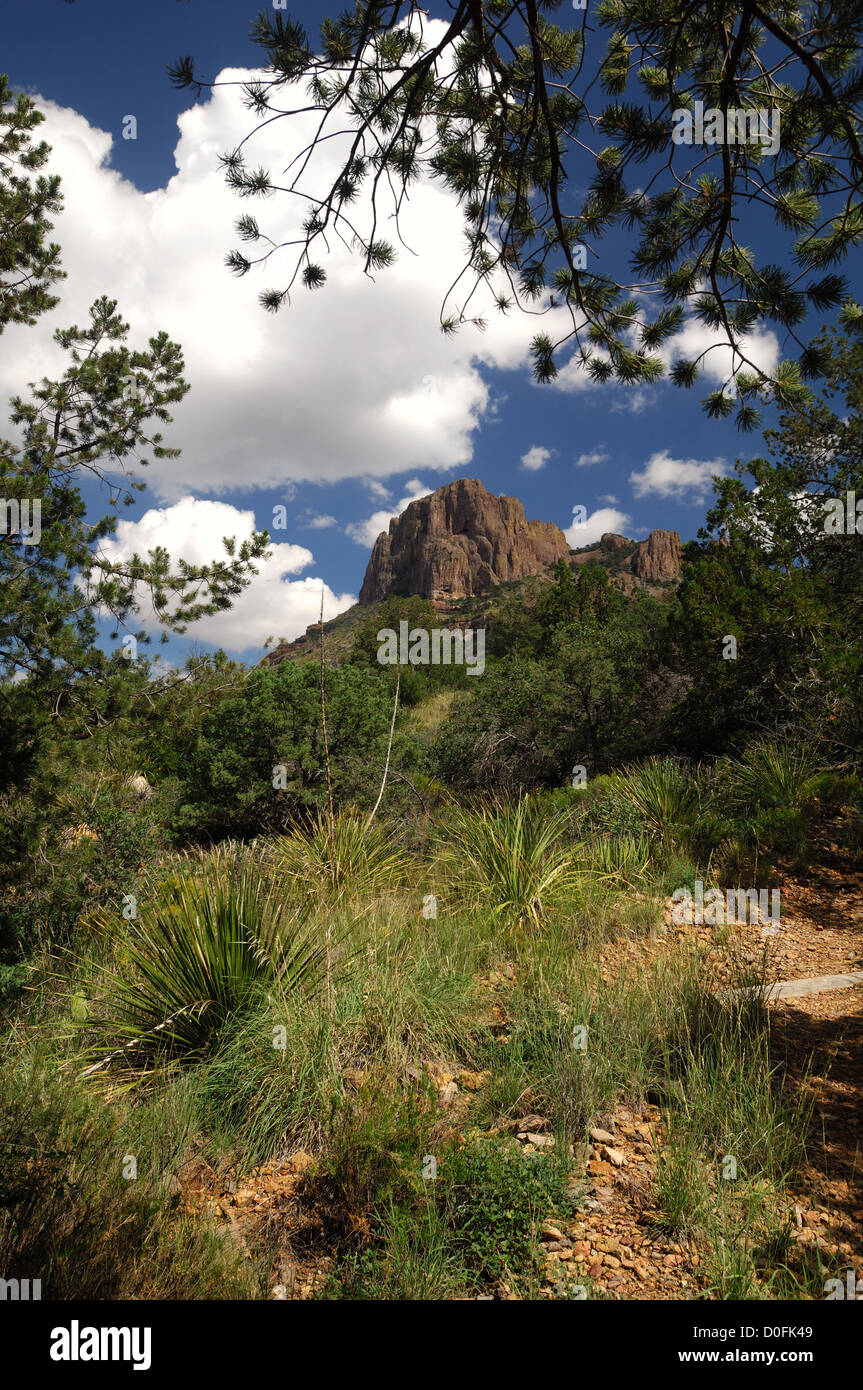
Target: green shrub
274, 722
836, 791
376, 1141
71, 854
493, 1197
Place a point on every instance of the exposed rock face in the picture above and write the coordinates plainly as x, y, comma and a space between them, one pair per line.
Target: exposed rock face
610, 541
657, 558
457, 543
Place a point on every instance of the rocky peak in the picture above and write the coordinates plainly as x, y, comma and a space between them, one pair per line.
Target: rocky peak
458, 542
610, 541
658, 558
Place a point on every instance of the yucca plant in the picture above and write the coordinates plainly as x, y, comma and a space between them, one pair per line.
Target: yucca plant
663, 792
621, 858
771, 774
511, 853
215, 935
345, 858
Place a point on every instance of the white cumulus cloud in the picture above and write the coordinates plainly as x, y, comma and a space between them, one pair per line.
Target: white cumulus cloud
587, 532
272, 605
536, 458
366, 532
760, 347
687, 480
351, 380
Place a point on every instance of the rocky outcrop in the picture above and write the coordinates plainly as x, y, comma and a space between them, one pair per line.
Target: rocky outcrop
610, 541
457, 543
658, 558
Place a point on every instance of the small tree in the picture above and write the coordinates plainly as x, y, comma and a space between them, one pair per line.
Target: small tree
772, 571
94, 423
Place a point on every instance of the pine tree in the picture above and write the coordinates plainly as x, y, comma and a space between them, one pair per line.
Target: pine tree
518, 115
96, 421
774, 571
29, 264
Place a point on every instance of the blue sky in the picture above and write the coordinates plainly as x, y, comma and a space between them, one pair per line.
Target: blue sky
337, 409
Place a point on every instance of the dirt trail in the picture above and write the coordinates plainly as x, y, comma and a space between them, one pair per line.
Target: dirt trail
817, 1041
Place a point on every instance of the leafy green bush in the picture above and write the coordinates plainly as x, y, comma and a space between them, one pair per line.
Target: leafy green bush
473, 1226
258, 762
513, 731
71, 849
493, 1197
836, 791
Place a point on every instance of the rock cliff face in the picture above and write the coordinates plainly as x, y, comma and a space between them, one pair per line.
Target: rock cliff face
658, 558
457, 543
610, 541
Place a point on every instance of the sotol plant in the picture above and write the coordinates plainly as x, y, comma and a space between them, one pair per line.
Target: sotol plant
345, 857
769, 775
664, 793
512, 853
215, 934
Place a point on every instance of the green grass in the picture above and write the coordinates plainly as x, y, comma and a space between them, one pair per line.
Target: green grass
72, 1215
473, 1228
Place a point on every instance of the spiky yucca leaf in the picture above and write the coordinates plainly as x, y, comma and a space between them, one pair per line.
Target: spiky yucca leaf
616, 858
770, 774
512, 853
346, 859
664, 793
214, 934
